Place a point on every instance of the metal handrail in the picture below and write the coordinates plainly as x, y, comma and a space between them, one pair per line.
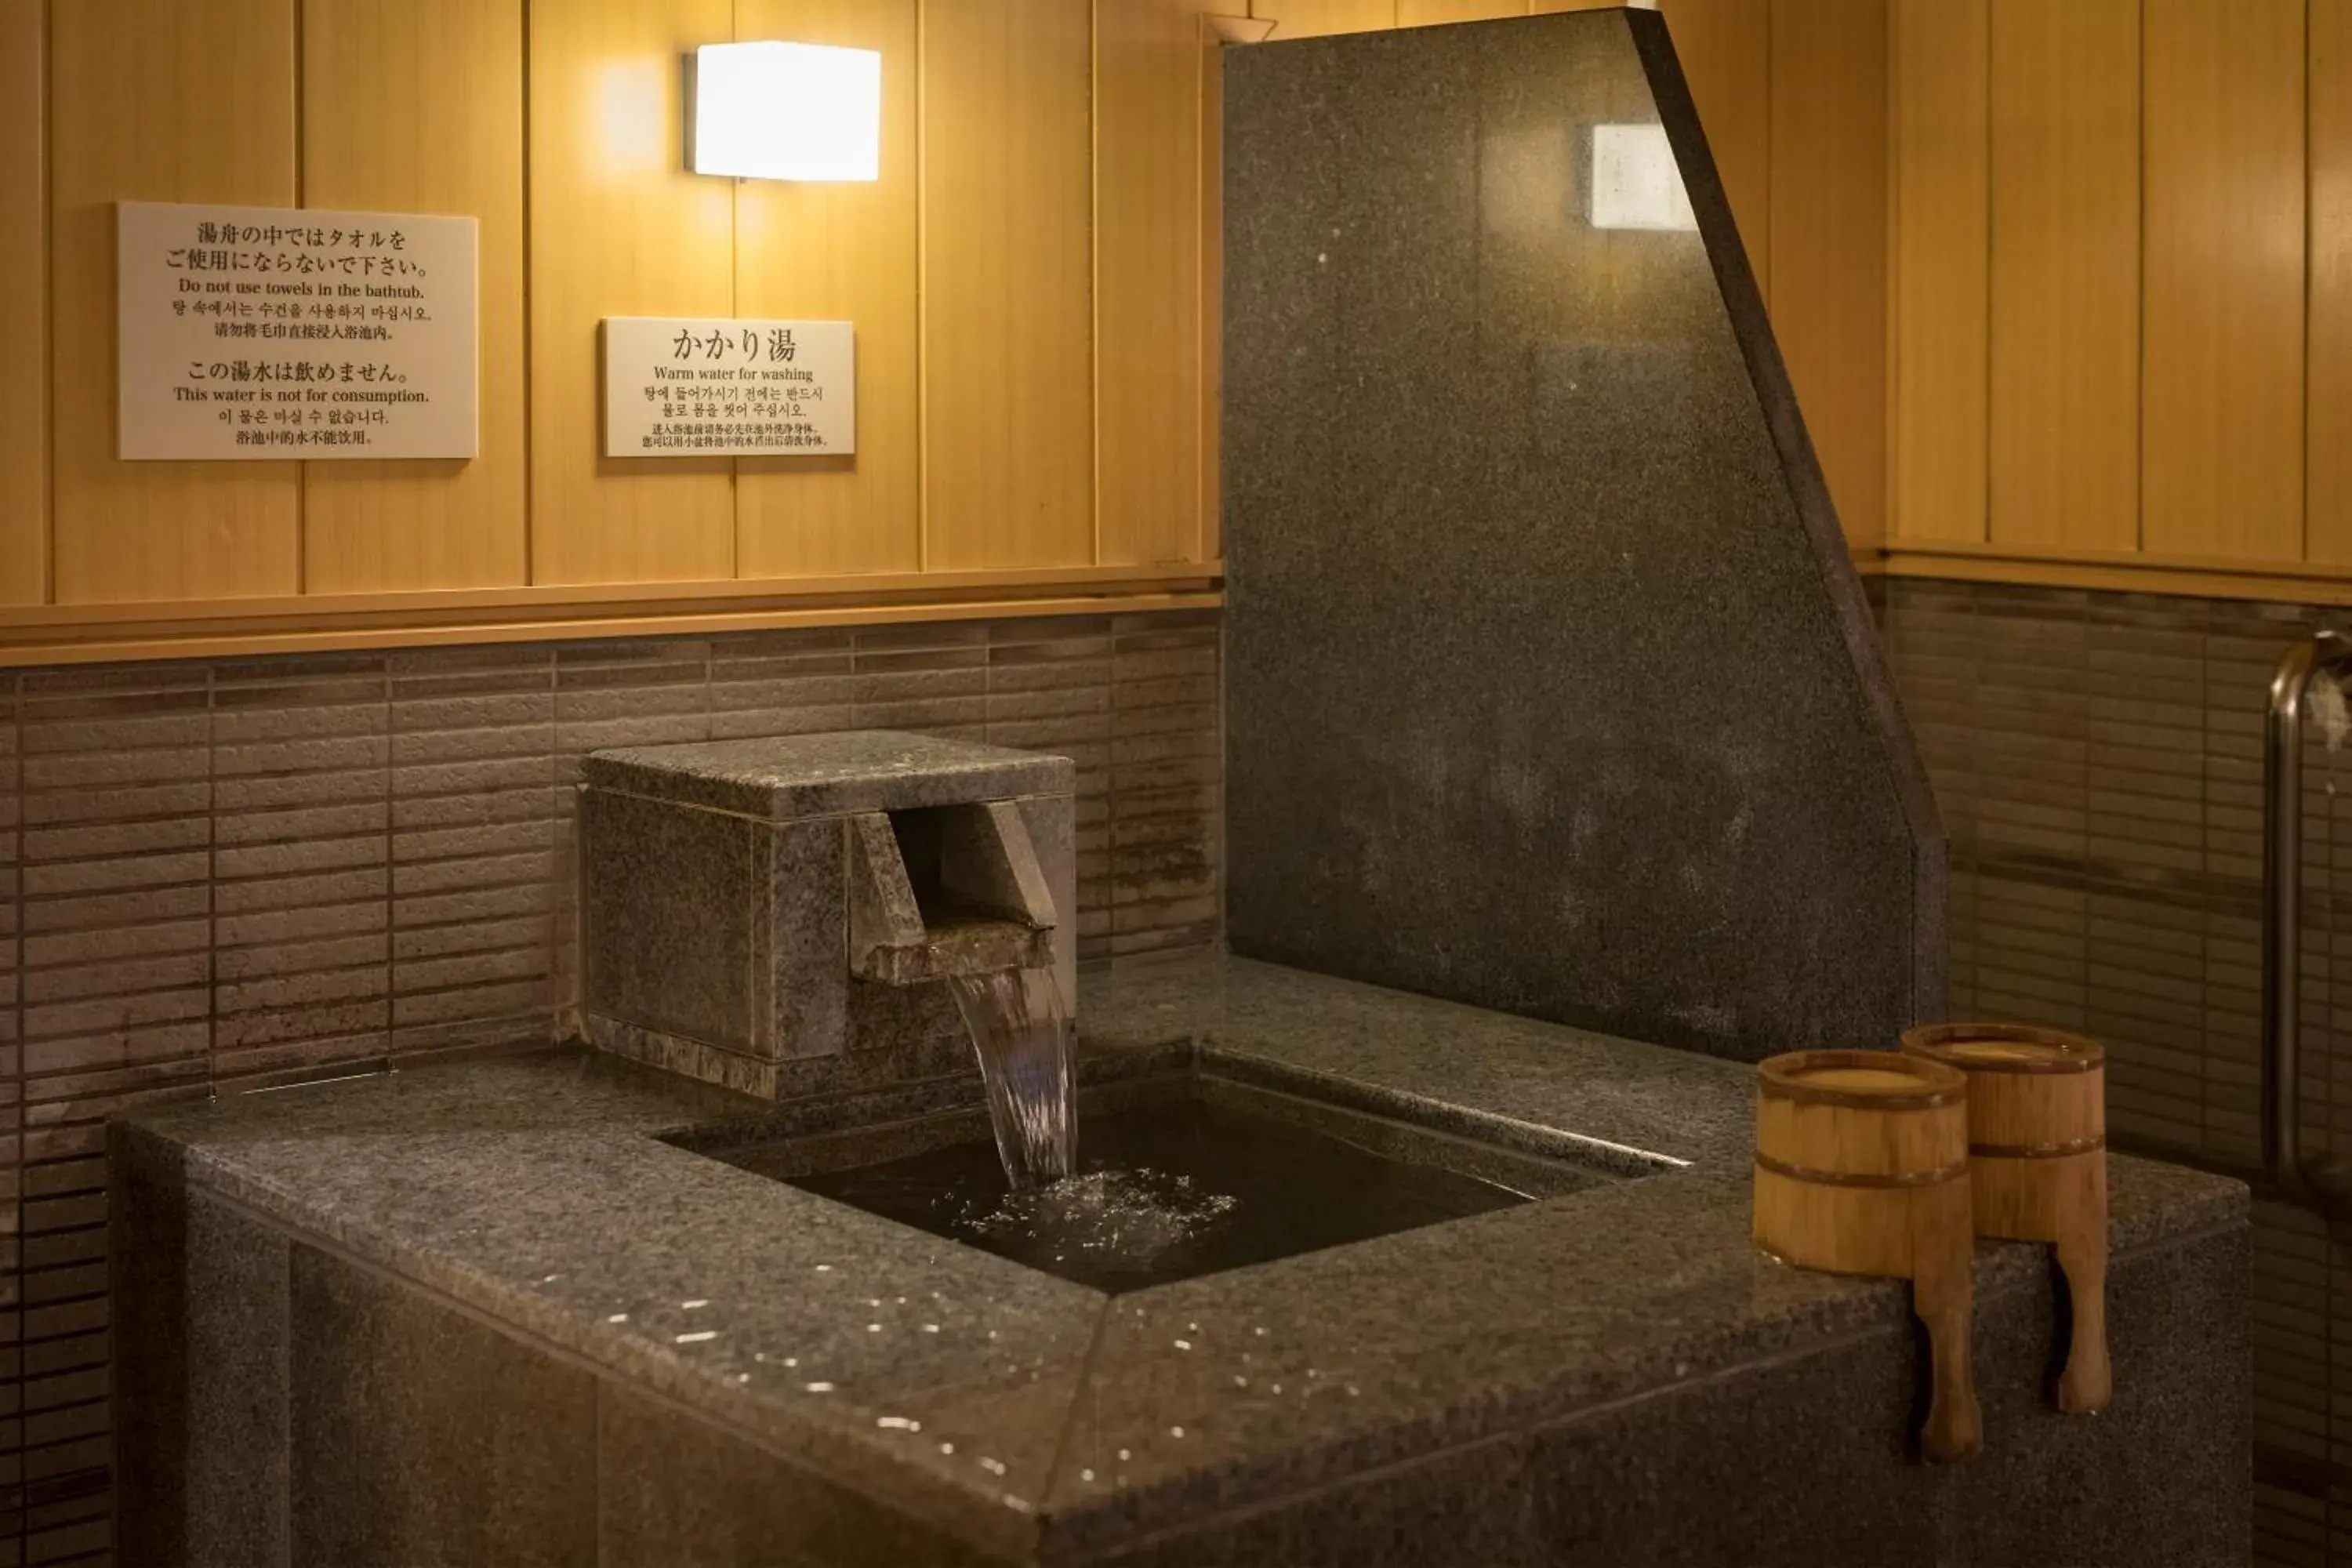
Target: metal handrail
2325, 1183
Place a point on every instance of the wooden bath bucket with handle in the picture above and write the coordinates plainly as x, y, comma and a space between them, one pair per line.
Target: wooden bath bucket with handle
1862, 1165
2038, 1166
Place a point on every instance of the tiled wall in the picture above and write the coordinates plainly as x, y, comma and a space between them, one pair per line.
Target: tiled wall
2098, 759
214, 871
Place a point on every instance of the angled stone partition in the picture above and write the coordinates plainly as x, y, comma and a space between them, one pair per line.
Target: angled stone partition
1549, 684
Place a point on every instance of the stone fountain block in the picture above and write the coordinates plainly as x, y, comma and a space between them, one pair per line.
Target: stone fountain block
775, 916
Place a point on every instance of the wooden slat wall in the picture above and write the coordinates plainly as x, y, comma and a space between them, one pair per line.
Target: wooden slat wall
1940, 239
1014, 412
1008, 309
2168, 314
416, 106
852, 252
159, 99
1034, 279
2327, 522
1211, 324
25, 276
1316, 18
1432, 13
2221, 449
2048, 276
1151, 236
2065, 331
1829, 229
617, 230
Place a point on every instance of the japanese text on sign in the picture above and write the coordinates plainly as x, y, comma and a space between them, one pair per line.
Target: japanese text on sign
275, 333
679, 388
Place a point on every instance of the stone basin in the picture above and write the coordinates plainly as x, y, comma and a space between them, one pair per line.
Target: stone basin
526, 1281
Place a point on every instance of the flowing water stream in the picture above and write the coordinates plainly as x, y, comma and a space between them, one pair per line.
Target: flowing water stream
1020, 1030
1170, 1191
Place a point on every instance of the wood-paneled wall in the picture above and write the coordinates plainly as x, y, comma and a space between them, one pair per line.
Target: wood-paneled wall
1032, 280
2122, 296
1794, 95
2057, 283
23, 279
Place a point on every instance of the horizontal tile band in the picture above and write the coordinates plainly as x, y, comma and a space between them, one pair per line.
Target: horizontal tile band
1853, 1179
2038, 1151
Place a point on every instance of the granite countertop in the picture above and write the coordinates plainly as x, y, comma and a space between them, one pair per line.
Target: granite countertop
1031, 1415
829, 773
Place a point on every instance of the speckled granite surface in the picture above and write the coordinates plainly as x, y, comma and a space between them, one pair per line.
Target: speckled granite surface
1549, 684
1030, 1416
827, 775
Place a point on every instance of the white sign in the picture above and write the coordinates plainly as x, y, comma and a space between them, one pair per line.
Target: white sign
286, 332
698, 388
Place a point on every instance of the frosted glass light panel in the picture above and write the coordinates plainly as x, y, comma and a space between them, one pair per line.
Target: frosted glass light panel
1635, 182
787, 111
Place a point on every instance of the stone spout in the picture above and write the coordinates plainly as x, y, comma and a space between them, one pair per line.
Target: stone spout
945, 891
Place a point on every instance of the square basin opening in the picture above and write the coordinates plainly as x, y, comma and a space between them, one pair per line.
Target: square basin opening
1175, 1179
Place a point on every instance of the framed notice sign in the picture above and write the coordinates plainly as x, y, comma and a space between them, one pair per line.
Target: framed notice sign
691, 387
289, 332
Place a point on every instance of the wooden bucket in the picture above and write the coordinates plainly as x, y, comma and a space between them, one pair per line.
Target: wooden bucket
2038, 1166
1860, 1168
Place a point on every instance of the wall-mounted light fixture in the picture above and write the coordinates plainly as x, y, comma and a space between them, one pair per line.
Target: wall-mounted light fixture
1635, 182
787, 111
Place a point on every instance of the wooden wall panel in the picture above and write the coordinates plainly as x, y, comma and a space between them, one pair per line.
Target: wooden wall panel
849, 251
617, 228
1210, 459
1725, 49
1941, 238
159, 100
1314, 18
416, 106
1008, 309
1034, 279
2065, 327
25, 282
2328, 356
1149, 244
2221, 449
1829, 230
1431, 13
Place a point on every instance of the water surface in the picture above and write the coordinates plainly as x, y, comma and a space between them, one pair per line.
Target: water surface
1163, 1193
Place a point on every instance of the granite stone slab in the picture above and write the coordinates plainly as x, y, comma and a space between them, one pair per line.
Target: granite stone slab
828, 775
418, 1435
1029, 1417
201, 1424
675, 1492
240, 1353
1548, 683
669, 910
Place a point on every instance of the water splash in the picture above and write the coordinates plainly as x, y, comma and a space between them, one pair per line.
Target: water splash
1127, 1217
1021, 1031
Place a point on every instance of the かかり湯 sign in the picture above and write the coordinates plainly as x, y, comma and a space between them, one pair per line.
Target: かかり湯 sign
677, 387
